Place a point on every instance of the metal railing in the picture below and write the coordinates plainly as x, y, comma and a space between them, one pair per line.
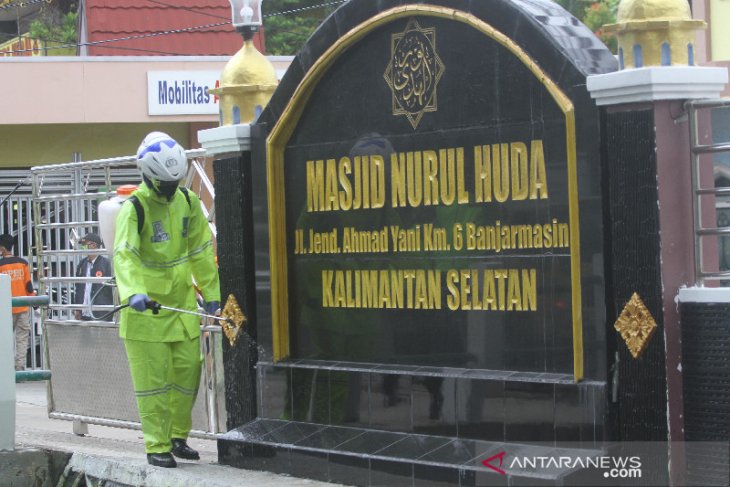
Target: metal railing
34, 374
91, 382
709, 124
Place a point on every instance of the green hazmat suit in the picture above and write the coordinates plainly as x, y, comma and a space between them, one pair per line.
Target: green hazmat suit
174, 245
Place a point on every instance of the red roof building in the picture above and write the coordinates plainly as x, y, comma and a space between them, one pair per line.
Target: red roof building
159, 28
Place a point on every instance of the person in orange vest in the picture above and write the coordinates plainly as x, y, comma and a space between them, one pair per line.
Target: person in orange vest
20, 285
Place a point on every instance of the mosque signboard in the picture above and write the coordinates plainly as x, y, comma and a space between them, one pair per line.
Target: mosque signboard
426, 188
424, 203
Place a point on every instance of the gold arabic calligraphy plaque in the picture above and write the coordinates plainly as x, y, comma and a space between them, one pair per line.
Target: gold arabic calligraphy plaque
413, 72
636, 325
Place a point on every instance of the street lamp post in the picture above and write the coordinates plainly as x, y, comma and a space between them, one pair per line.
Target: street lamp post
246, 16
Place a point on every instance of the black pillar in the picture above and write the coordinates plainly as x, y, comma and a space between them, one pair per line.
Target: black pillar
234, 222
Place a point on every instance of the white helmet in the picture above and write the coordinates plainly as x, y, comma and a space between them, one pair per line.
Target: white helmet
160, 158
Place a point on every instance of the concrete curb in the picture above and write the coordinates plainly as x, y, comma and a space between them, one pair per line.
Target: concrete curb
134, 473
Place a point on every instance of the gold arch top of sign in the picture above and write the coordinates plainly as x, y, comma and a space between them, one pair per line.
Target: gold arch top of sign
286, 124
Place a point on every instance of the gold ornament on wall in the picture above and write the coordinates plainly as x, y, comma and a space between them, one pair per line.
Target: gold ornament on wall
636, 325
234, 319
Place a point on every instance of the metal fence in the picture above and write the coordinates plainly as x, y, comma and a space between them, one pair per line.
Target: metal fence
16, 219
709, 124
91, 381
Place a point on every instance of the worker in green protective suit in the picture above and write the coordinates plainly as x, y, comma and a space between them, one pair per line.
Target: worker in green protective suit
162, 241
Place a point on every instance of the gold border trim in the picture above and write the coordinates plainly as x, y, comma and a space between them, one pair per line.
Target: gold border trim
284, 127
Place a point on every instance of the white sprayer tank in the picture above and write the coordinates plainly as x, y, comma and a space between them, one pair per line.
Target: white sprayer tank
108, 211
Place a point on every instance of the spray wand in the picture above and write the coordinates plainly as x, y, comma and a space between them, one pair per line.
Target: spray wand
231, 319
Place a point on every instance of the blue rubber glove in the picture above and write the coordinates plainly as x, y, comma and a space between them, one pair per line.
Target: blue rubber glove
139, 302
212, 307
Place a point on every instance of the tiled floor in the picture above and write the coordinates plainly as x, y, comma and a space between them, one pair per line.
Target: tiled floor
368, 454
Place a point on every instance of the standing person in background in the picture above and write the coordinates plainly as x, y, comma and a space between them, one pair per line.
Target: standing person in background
92, 294
162, 242
20, 285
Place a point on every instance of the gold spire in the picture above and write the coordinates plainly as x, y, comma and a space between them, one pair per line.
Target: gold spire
247, 83
632, 10
655, 33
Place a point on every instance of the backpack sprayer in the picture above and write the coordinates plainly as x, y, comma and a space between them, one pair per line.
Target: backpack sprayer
231, 318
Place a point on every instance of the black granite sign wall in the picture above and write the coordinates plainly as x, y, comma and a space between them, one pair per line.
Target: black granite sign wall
235, 250
635, 264
436, 223
428, 219
432, 194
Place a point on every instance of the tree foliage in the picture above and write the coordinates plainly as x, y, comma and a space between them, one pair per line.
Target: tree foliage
56, 23
594, 14
289, 23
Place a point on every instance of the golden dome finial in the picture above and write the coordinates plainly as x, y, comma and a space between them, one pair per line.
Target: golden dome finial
247, 83
655, 33
653, 10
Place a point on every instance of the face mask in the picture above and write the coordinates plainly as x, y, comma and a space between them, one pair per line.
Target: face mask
167, 188
162, 188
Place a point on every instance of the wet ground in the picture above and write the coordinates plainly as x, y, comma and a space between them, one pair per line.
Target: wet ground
117, 454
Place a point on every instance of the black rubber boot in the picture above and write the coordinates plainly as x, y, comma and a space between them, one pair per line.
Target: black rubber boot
181, 449
161, 460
